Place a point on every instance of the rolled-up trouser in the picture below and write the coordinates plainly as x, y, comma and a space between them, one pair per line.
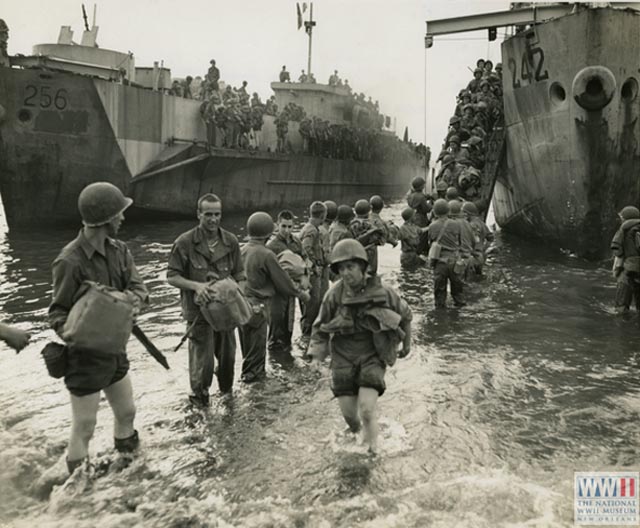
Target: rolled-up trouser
628, 290
442, 273
253, 341
279, 330
311, 309
206, 346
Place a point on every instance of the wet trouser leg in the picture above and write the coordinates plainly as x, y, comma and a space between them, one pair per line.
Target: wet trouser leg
628, 290
279, 333
372, 253
324, 284
409, 259
457, 285
253, 341
201, 359
440, 277
224, 349
310, 310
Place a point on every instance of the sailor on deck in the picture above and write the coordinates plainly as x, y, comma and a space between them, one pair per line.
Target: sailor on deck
284, 75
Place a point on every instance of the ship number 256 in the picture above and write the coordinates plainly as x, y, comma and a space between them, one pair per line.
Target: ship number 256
45, 96
531, 67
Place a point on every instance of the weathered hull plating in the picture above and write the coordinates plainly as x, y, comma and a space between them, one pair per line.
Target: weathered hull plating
571, 115
61, 131
270, 181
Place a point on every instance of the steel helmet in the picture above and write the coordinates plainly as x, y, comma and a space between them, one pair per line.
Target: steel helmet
418, 183
362, 207
376, 202
629, 212
345, 213
260, 225
448, 160
498, 66
454, 139
470, 208
441, 207
468, 107
347, 249
454, 207
100, 202
452, 193
332, 209
407, 213
454, 120
478, 70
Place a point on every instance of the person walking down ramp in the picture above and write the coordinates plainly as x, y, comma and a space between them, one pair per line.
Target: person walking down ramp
361, 325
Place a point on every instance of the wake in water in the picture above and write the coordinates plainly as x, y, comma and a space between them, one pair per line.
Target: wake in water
392, 439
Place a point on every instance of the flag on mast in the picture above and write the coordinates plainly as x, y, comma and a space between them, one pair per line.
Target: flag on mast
299, 15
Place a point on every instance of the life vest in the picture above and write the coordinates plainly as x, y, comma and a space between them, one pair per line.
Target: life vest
368, 311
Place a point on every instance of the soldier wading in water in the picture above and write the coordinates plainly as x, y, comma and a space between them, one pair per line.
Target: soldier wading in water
361, 324
95, 256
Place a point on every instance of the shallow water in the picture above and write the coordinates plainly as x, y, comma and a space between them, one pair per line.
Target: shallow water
483, 425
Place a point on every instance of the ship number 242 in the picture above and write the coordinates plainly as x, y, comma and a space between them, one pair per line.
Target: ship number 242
44, 96
531, 67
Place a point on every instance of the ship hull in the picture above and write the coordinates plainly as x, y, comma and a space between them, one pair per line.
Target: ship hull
61, 131
271, 181
571, 115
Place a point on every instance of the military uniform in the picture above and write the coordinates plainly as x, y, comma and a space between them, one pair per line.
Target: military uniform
443, 267
484, 236
79, 261
361, 229
265, 278
314, 250
468, 244
192, 258
282, 306
337, 232
625, 247
344, 329
326, 249
418, 201
409, 239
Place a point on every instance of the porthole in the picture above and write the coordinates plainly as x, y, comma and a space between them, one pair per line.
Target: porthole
629, 90
24, 115
557, 93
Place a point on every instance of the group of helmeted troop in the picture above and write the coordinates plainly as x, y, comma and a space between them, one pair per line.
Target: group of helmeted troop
479, 111
235, 120
330, 269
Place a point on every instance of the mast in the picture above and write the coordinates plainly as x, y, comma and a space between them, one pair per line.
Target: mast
308, 27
